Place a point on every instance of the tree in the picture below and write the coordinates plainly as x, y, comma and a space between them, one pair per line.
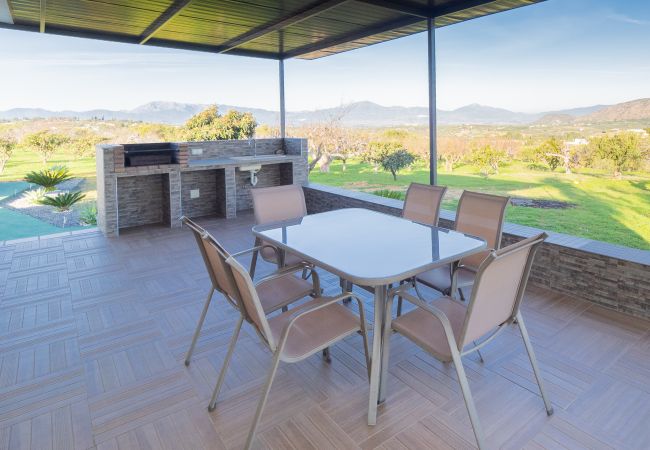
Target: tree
7, 146
84, 143
390, 156
452, 150
45, 143
549, 151
397, 160
622, 149
209, 125
348, 143
488, 159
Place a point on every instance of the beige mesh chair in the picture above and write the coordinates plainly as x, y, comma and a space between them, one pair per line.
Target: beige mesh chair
275, 204
275, 291
479, 215
447, 328
422, 205
296, 334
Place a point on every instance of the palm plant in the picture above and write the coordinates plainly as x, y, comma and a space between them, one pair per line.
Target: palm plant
49, 178
64, 201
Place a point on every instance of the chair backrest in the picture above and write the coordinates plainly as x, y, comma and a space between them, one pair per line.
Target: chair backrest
251, 305
481, 215
214, 257
422, 203
274, 204
499, 288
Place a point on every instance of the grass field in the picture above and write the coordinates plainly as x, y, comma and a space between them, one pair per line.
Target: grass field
607, 209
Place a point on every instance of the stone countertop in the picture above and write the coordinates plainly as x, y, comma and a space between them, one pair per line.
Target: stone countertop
241, 160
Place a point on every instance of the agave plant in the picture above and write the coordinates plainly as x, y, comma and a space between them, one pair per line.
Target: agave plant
49, 178
34, 196
64, 201
89, 215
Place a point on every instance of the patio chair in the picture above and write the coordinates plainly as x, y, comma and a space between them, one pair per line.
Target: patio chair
296, 334
275, 291
479, 215
446, 327
275, 204
422, 205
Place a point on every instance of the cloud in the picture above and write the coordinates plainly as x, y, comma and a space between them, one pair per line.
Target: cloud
628, 19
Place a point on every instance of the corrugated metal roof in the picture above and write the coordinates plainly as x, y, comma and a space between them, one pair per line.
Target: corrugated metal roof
275, 29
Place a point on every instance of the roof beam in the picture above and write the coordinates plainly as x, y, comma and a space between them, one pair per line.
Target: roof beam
283, 22
42, 16
172, 11
353, 36
413, 14
410, 8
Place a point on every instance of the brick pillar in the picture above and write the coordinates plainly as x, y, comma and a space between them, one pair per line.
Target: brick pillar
183, 154
175, 202
231, 193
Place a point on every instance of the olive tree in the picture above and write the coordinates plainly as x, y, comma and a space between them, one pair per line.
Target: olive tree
549, 152
7, 146
488, 159
390, 156
45, 143
209, 125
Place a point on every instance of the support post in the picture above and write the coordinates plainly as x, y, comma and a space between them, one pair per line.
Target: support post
433, 153
283, 112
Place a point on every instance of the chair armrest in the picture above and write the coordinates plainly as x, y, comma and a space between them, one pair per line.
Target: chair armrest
328, 301
284, 271
438, 314
257, 248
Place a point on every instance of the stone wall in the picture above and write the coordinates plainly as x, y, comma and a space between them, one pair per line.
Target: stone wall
270, 175
140, 200
612, 276
212, 193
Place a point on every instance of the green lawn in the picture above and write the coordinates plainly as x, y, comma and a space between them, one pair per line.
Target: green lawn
607, 209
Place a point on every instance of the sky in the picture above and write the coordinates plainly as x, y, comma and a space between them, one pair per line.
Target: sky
554, 55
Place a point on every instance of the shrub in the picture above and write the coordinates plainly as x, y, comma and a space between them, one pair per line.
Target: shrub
622, 149
7, 146
549, 152
388, 193
89, 215
64, 201
49, 178
34, 196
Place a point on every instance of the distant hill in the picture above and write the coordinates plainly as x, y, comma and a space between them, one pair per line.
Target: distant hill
357, 114
632, 110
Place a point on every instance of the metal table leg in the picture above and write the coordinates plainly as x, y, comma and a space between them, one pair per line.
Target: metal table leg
376, 369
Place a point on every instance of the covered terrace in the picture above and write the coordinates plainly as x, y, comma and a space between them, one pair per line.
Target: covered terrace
94, 330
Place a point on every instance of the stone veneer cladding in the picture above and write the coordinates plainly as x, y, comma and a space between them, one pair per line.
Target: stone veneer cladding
616, 282
140, 200
212, 193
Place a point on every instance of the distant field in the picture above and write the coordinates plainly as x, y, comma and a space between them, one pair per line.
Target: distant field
607, 209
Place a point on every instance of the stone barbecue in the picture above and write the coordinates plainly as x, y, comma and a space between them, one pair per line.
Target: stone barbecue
156, 183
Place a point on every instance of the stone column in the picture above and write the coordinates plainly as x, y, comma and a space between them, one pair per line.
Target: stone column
231, 193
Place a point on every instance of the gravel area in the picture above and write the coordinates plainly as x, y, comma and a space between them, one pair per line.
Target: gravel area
47, 213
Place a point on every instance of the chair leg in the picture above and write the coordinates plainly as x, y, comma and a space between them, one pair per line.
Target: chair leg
399, 302
344, 288
467, 396
226, 362
364, 335
480, 355
326, 355
199, 325
385, 339
262, 403
533, 362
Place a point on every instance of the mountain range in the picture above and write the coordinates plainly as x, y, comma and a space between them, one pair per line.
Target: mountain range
358, 114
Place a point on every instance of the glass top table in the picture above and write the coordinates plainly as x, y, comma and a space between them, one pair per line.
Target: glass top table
370, 249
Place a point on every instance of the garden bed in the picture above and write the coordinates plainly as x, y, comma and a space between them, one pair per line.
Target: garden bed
48, 214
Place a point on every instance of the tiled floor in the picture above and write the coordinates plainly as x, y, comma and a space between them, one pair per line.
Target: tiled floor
93, 332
